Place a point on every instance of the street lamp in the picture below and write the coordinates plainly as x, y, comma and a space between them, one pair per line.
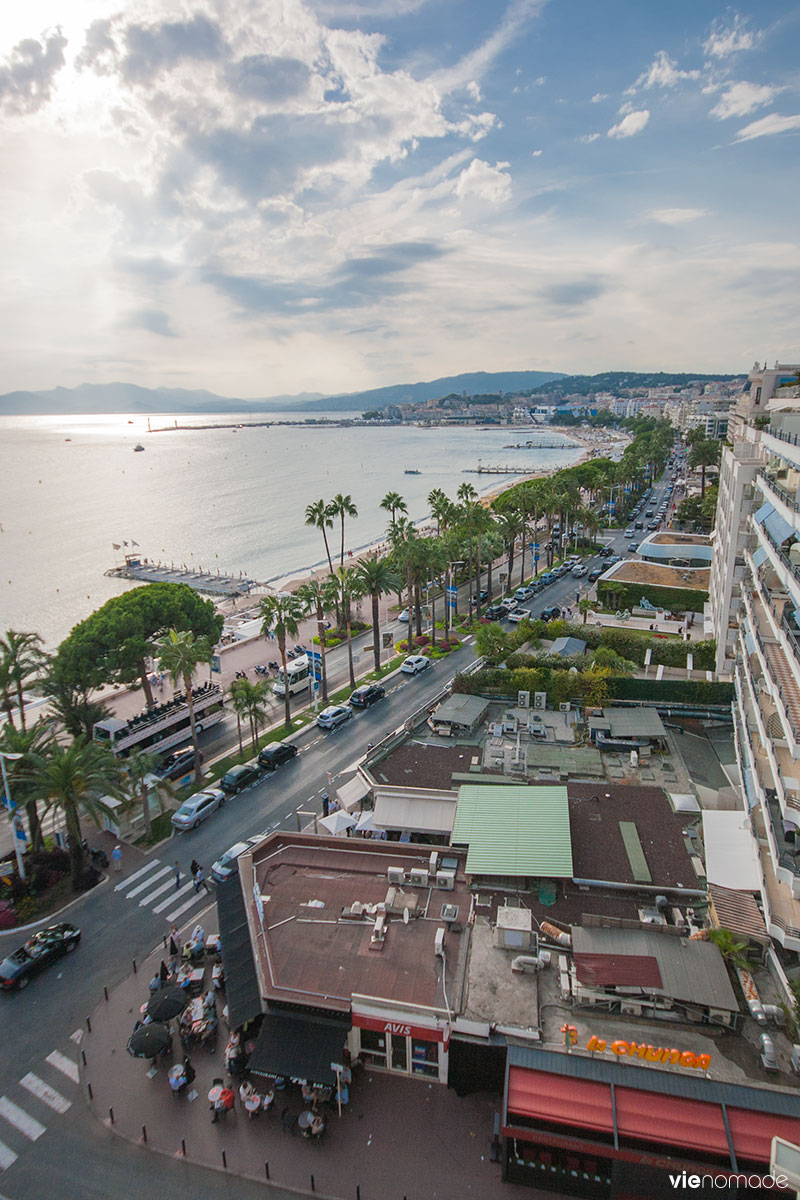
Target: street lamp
7, 754
450, 600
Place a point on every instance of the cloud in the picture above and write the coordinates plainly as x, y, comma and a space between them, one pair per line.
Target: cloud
675, 216
537, 153
27, 75
743, 98
767, 126
730, 37
484, 181
630, 125
150, 49
599, 96
262, 77
575, 293
475, 64
587, 137
663, 73
154, 320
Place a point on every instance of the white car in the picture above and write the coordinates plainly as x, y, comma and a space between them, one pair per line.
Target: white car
415, 664
224, 867
404, 616
519, 614
628, 533
199, 806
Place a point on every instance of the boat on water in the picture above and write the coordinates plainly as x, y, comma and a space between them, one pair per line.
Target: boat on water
411, 471
138, 447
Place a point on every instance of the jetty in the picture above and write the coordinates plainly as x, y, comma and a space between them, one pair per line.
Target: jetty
213, 584
544, 443
482, 469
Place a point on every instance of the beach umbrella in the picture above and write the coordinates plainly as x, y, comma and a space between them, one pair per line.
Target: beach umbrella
337, 822
167, 1003
365, 821
148, 1040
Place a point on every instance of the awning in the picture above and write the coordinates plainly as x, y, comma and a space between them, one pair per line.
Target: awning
542, 1096
753, 1132
750, 642
298, 1046
351, 794
761, 514
241, 981
758, 556
672, 1119
778, 528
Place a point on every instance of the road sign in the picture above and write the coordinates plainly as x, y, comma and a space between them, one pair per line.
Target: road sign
315, 655
215, 667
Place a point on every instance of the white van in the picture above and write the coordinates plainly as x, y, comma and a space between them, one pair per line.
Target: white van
298, 671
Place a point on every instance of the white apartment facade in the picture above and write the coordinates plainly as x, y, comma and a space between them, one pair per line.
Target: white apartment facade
755, 607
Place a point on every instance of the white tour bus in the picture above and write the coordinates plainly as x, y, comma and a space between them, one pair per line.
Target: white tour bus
164, 726
299, 673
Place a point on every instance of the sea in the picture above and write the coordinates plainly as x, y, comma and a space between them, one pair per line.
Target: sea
72, 487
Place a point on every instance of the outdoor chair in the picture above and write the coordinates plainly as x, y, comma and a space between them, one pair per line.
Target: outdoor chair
288, 1121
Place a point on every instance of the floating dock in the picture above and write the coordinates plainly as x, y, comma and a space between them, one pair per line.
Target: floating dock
144, 571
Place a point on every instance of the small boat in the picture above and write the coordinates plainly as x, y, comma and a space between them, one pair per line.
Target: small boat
411, 471
138, 447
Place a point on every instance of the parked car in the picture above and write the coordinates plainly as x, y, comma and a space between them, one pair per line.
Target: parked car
333, 716
195, 810
628, 533
367, 694
179, 763
579, 572
639, 525
479, 597
552, 613
276, 753
225, 866
415, 663
404, 616
509, 603
595, 573
523, 593
39, 951
495, 612
519, 614
548, 577
239, 777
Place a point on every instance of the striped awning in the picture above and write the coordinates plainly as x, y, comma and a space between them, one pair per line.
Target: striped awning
761, 514
758, 556
778, 528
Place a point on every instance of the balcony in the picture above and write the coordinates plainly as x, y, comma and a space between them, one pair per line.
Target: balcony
772, 764
786, 845
771, 483
785, 445
777, 670
782, 910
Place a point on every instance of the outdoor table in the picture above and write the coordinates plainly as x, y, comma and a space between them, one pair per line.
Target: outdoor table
252, 1104
304, 1120
215, 1093
212, 944
196, 981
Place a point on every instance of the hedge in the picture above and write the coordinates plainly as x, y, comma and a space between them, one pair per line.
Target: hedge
678, 691
629, 595
565, 685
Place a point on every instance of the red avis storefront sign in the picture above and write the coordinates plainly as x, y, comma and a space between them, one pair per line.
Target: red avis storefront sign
423, 1033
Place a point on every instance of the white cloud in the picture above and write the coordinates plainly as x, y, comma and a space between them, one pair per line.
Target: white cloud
767, 126
675, 216
537, 154
632, 124
730, 37
663, 72
599, 96
484, 181
477, 62
743, 98
474, 91
588, 137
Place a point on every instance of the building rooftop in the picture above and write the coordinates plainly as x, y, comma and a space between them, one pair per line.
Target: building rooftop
417, 763
461, 709
514, 830
568, 645
668, 537
629, 722
658, 574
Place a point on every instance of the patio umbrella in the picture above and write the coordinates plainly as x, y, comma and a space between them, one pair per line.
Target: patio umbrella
365, 820
167, 1003
337, 822
148, 1040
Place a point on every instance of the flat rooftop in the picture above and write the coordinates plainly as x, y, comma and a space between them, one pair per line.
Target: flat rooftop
311, 954
668, 537
632, 570
421, 764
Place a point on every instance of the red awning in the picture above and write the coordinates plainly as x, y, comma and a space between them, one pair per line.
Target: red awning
559, 1098
675, 1120
753, 1132
619, 970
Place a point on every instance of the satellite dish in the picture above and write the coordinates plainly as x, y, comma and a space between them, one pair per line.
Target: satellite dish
405, 916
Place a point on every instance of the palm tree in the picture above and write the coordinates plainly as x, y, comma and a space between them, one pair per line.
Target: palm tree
29, 743
436, 562
441, 509
341, 507
705, 453
508, 525
319, 598
180, 654
74, 707
317, 515
349, 589
139, 767
70, 779
585, 606
282, 614
239, 705
376, 577
401, 537
22, 661
393, 503
249, 699
468, 497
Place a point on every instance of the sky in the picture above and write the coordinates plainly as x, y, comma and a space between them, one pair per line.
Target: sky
264, 197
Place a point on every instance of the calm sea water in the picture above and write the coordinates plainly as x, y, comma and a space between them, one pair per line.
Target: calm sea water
72, 486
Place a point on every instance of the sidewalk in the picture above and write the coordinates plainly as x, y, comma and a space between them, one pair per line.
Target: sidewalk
398, 1138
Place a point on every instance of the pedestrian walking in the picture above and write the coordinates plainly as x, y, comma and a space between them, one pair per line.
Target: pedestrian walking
116, 858
174, 942
177, 874
195, 867
200, 880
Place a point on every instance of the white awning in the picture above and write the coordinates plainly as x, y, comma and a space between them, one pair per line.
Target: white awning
351, 794
731, 851
416, 810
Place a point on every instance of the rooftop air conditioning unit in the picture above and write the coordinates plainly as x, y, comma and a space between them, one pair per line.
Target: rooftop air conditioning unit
446, 880
396, 875
438, 945
418, 877
565, 707
433, 862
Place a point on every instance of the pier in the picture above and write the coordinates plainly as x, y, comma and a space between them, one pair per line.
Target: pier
487, 470
216, 584
544, 443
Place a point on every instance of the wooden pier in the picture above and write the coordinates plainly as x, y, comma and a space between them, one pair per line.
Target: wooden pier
489, 470
213, 584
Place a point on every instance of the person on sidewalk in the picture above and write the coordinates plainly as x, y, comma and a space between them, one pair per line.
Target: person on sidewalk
116, 858
177, 873
223, 1104
174, 942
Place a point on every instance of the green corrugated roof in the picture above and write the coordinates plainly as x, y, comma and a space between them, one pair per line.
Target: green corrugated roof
514, 830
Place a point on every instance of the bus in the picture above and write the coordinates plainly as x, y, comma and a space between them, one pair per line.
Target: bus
163, 726
299, 672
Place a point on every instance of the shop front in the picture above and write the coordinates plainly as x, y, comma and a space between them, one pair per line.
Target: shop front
402, 1041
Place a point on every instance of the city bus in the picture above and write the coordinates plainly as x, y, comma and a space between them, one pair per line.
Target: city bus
299, 673
164, 726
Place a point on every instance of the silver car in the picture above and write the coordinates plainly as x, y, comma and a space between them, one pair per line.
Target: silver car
195, 810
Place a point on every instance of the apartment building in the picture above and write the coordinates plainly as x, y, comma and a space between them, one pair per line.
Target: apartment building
755, 608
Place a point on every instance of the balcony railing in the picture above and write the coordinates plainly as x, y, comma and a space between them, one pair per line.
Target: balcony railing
785, 496
781, 434
775, 684
791, 567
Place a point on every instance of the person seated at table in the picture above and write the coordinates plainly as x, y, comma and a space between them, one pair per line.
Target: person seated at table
317, 1127
198, 941
188, 1070
308, 1092
223, 1104
155, 984
209, 1003
177, 1078
218, 976
267, 1100
246, 1090
184, 976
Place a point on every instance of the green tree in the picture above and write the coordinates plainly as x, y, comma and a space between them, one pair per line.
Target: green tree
492, 642
435, 559
250, 700
442, 510
585, 606
376, 577
239, 702
348, 587
73, 705
732, 949
180, 653
21, 663
704, 453
604, 656
319, 597
31, 743
393, 503
318, 515
469, 503
341, 507
140, 768
71, 779
282, 613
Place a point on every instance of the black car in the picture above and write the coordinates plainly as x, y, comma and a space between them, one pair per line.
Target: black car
239, 777
496, 611
179, 763
278, 752
367, 694
44, 947
552, 613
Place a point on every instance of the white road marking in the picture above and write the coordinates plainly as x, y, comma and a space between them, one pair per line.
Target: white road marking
42, 1091
7, 1157
152, 895
77, 1038
177, 895
67, 1066
172, 916
142, 887
136, 874
21, 1120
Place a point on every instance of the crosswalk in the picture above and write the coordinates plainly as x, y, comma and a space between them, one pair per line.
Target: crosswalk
22, 1119
156, 882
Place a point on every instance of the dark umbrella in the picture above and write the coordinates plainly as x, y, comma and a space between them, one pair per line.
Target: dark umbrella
148, 1040
167, 1003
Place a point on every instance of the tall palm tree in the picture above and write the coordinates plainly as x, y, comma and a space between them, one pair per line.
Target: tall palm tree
282, 614
319, 597
401, 536
139, 767
441, 508
22, 661
317, 515
508, 524
180, 653
376, 577
436, 561
30, 743
469, 501
393, 503
341, 507
349, 589
239, 703
250, 700
70, 779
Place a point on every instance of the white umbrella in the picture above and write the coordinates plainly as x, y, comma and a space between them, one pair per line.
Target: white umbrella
337, 822
365, 820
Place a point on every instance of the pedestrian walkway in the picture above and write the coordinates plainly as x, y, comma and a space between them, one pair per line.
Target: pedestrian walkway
34, 1101
156, 882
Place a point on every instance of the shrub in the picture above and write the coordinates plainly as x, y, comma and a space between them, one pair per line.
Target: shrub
26, 909
88, 879
39, 880
55, 859
401, 647
8, 917
421, 639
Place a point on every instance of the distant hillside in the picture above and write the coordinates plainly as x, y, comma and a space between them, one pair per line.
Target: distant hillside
129, 398
615, 381
473, 383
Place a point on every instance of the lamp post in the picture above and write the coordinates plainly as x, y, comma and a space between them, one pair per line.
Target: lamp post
450, 600
16, 827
